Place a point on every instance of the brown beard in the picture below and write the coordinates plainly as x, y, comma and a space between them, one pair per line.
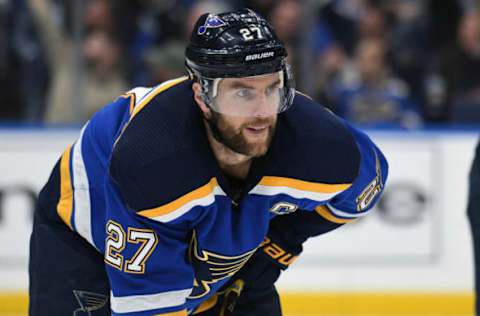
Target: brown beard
234, 139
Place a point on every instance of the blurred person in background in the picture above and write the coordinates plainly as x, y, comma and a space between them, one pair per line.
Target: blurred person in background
101, 78
459, 68
22, 65
340, 26
367, 93
264, 7
286, 18
372, 23
154, 34
329, 60
143, 26
98, 15
409, 50
165, 61
421, 45
348, 20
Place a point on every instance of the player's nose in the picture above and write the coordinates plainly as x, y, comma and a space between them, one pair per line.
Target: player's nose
263, 107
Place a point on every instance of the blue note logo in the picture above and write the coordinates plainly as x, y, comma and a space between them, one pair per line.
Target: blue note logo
212, 21
210, 267
89, 302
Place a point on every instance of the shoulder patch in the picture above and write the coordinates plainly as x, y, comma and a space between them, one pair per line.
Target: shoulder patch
371, 190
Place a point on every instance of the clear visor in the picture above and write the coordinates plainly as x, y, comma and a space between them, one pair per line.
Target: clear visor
256, 96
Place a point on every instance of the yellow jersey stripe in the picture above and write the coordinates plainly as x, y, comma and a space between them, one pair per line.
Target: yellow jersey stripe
179, 313
130, 96
130, 110
65, 203
323, 211
303, 185
196, 194
207, 304
153, 94
132, 102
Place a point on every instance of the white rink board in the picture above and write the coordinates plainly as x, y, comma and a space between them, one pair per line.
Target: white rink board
418, 239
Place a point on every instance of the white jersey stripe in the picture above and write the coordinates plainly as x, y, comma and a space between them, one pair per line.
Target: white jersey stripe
139, 303
295, 193
81, 192
345, 214
142, 93
205, 201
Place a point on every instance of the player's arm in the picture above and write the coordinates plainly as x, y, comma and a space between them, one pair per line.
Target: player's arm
362, 195
289, 232
147, 245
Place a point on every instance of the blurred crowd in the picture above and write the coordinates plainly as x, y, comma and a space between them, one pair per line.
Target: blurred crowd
392, 63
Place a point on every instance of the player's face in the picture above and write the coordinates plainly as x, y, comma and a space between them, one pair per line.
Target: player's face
250, 134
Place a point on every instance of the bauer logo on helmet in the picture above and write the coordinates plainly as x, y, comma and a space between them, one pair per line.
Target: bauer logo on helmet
259, 56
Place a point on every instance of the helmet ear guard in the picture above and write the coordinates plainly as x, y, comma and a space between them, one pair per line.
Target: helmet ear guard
289, 82
207, 85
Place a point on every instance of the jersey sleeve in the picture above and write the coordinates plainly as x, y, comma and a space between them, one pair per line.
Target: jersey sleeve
159, 283
157, 225
148, 267
363, 194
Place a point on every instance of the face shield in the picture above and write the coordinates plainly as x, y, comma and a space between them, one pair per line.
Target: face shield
255, 96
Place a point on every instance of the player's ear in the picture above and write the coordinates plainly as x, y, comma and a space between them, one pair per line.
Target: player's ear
197, 95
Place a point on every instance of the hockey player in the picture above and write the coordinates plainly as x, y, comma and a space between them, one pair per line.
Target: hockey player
171, 192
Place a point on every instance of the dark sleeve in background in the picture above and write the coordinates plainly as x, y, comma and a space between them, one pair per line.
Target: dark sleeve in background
473, 212
473, 209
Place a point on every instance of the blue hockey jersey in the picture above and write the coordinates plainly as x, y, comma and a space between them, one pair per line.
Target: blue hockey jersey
142, 186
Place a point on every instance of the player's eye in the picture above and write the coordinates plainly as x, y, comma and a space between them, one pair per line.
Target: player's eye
272, 89
245, 93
